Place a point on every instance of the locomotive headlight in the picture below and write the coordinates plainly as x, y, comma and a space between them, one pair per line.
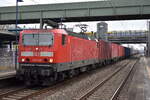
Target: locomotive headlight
51, 60
22, 59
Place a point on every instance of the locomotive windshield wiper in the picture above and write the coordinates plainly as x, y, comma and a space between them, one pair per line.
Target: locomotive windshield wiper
34, 36
38, 39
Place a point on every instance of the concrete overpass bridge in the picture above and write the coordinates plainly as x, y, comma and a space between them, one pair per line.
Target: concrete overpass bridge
81, 11
125, 37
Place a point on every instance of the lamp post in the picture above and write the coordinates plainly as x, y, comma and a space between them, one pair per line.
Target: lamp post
16, 27
17, 14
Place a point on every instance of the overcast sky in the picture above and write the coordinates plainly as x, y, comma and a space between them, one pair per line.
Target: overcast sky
31, 2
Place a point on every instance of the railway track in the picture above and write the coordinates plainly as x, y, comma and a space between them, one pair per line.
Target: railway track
62, 93
23, 93
89, 94
120, 87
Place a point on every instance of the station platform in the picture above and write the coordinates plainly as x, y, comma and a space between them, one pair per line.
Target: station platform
7, 74
146, 63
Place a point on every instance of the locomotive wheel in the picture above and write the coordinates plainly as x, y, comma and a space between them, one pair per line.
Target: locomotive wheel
83, 69
28, 83
90, 67
93, 66
48, 81
61, 76
77, 71
72, 73
55, 76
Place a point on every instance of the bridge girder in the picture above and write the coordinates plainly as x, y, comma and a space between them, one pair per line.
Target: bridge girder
75, 12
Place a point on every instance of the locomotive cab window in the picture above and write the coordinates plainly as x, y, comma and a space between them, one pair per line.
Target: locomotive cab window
40, 39
63, 39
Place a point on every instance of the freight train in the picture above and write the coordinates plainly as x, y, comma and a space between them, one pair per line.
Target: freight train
49, 55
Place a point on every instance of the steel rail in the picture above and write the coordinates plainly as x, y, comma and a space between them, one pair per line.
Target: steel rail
91, 91
116, 94
10, 92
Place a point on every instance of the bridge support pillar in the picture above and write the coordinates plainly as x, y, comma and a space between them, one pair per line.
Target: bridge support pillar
148, 40
41, 23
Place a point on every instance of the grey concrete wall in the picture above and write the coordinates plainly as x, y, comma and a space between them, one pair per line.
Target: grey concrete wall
7, 59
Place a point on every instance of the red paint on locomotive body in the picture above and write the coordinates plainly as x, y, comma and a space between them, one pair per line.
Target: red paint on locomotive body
114, 50
82, 49
73, 48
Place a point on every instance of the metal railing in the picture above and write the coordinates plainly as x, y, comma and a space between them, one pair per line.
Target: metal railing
127, 34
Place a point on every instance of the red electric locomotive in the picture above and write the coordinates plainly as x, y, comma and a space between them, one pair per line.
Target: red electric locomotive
50, 54
46, 55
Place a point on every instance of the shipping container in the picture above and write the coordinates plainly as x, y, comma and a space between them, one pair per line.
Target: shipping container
114, 51
104, 50
127, 52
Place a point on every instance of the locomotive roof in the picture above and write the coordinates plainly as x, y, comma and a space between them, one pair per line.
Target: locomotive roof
80, 35
61, 31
